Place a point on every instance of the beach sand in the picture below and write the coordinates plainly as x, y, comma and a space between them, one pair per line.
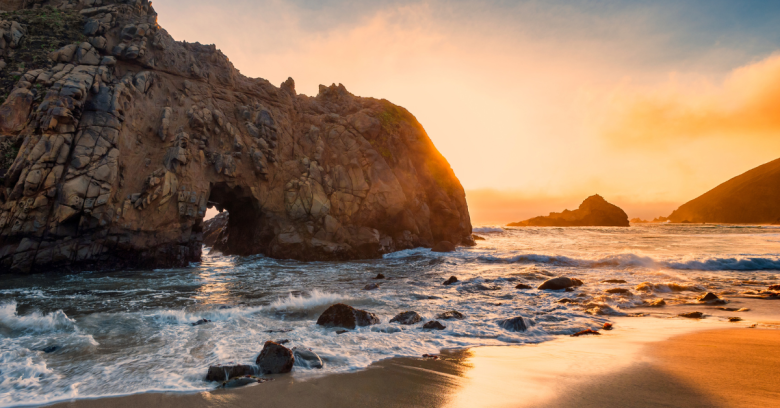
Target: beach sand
644, 362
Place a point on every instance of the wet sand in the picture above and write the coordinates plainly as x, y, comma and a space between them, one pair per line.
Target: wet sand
644, 362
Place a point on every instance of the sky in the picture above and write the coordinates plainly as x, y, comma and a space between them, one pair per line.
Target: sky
536, 104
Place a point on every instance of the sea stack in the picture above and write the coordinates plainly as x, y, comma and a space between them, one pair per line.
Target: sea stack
750, 198
595, 211
121, 138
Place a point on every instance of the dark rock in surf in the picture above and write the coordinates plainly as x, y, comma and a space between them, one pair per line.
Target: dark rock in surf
585, 332
595, 211
275, 359
450, 281
711, 299
341, 315
342, 331
522, 286
452, 314
379, 276
306, 358
443, 246
614, 281
515, 324
242, 381
201, 322
434, 325
477, 237
692, 315
565, 301
618, 291
226, 372
407, 318
560, 283
50, 349
371, 286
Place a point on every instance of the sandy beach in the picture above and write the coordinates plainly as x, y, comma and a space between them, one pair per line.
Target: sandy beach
644, 362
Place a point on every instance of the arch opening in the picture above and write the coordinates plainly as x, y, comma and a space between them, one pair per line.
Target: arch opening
246, 230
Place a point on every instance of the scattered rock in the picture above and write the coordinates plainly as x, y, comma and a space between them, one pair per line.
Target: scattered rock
614, 281
607, 326
407, 318
221, 373
275, 359
566, 300
431, 356
654, 303
201, 321
734, 309
443, 246
477, 237
621, 291
774, 287
341, 331
560, 283
452, 314
586, 332
433, 325
341, 315
242, 381
306, 358
692, 315
450, 281
515, 324
379, 276
523, 286
735, 319
371, 286
710, 298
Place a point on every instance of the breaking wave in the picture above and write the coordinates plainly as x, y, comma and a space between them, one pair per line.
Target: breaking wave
487, 230
12, 324
633, 260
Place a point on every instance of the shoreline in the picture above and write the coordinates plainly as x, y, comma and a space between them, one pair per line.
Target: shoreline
637, 358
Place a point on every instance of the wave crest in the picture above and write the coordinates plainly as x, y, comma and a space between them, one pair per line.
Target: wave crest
633, 260
13, 324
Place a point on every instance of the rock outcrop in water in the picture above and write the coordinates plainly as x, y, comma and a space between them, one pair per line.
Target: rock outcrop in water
750, 198
116, 139
595, 211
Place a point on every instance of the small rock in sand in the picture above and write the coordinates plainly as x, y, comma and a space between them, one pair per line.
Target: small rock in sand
450, 281
560, 283
379, 276
692, 315
452, 314
710, 298
522, 286
434, 325
275, 359
735, 319
607, 326
407, 318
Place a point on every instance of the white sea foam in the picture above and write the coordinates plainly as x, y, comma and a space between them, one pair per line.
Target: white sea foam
487, 230
313, 300
12, 324
633, 260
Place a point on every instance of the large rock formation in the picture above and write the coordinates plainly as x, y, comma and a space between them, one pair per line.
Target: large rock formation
593, 212
123, 137
750, 198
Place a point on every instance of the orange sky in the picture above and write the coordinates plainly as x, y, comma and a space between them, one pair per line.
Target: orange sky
536, 105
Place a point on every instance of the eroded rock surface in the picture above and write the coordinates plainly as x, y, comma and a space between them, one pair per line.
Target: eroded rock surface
595, 211
125, 137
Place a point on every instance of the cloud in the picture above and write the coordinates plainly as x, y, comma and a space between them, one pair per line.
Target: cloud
744, 106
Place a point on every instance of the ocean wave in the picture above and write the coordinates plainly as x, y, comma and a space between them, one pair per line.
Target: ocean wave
487, 230
633, 260
668, 287
316, 299
13, 324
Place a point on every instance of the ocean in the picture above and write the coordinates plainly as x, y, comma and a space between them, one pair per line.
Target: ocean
93, 334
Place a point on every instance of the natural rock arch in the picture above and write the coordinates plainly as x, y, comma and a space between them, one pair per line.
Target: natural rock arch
124, 139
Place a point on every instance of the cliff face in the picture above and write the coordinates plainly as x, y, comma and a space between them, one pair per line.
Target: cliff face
119, 142
593, 212
750, 198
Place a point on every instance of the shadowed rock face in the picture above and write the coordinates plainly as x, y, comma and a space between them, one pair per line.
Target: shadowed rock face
750, 198
126, 139
595, 211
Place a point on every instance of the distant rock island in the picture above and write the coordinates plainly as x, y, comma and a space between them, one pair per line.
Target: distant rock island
595, 211
654, 221
750, 198
115, 139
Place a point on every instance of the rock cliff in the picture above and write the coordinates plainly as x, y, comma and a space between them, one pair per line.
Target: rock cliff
593, 212
116, 139
750, 198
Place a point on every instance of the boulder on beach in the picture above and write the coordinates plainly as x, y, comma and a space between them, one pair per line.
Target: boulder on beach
515, 324
275, 359
692, 315
341, 315
450, 281
710, 299
434, 325
407, 318
452, 314
560, 283
443, 246
306, 358
221, 373
595, 211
